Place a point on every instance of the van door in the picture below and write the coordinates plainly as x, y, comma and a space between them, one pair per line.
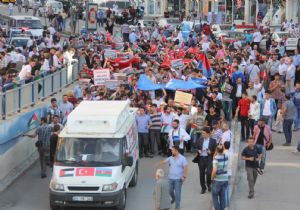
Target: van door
126, 170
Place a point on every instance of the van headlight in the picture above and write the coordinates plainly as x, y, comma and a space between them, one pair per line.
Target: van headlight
56, 186
110, 187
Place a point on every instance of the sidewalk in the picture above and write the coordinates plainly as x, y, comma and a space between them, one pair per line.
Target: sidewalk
279, 187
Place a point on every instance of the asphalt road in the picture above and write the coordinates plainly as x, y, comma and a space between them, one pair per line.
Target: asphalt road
30, 192
279, 187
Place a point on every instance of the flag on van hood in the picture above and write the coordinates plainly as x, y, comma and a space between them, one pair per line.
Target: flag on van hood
67, 172
34, 121
104, 172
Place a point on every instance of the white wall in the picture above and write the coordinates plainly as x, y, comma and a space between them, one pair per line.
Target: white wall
16, 160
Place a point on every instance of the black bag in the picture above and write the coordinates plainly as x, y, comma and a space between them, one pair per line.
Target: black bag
38, 144
196, 159
270, 147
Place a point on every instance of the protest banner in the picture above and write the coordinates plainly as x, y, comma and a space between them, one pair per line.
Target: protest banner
128, 70
183, 99
119, 76
177, 64
112, 54
125, 55
113, 84
101, 75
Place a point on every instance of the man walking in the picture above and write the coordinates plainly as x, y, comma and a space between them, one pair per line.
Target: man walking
143, 122
43, 132
288, 112
177, 175
155, 128
251, 155
220, 179
242, 112
177, 136
262, 138
268, 108
205, 148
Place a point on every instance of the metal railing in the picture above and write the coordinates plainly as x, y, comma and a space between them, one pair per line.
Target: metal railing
14, 100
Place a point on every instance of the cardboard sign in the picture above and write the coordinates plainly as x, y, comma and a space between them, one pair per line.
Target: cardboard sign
177, 64
113, 84
101, 75
119, 76
183, 99
112, 54
83, 83
125, 55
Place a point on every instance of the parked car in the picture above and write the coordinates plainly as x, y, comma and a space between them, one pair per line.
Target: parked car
18, 33
144, 24
231, 36
19, 42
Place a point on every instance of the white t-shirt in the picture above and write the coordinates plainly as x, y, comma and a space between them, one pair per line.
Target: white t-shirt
267, 110
158, 102
257, 37
26, 69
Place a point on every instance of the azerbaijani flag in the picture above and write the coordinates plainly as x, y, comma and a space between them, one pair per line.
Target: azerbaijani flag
34, 121
103, 172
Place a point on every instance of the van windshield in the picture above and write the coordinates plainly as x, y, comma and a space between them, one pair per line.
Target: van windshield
88, 152
31, 24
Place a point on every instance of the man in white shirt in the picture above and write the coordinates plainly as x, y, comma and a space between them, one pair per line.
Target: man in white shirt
227, 134
183, 118
33, 52
25, 73
254, 113
177, 136
257, 37
282, 69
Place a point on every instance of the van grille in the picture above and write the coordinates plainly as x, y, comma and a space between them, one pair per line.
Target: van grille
83, 188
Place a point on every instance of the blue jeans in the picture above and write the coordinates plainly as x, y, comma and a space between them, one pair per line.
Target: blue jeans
287, 130
219, 190
194, 137
298, 147
175, 191
270, 120
297, 118
263, 156
227, 107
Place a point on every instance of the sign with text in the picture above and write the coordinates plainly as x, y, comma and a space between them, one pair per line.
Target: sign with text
101, 75
112, 54
112, 84
177, 64
183, 99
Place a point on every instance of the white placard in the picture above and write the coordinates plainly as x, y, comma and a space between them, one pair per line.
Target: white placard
177, 64
112, 54
101, 75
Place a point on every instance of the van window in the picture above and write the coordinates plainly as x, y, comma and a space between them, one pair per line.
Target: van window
89, 152
32, 24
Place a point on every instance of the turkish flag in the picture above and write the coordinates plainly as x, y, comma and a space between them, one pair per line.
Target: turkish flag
85, 172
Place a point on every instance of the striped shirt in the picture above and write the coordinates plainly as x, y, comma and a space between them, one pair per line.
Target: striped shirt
221, 163
44, 132
217, 135
155, 121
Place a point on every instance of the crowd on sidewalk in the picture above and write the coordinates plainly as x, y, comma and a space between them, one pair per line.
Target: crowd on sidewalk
260, 89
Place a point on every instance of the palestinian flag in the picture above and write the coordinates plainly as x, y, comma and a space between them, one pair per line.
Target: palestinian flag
67, 172
164, 127
193, 129
34, 121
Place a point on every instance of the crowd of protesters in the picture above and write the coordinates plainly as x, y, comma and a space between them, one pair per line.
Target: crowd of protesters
260, 89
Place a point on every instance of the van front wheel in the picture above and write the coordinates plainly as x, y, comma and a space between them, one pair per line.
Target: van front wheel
122, 201
134, 178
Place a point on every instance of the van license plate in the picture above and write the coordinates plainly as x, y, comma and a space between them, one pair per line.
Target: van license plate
82, 198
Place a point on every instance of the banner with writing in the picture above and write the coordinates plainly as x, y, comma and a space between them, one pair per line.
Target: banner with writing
101, 75
177, 64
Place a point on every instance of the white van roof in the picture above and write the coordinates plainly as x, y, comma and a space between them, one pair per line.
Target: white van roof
98, 118
22, 17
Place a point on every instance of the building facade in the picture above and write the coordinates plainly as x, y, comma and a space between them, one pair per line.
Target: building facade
228, 11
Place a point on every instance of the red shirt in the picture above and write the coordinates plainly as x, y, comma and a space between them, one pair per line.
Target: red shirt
244, 105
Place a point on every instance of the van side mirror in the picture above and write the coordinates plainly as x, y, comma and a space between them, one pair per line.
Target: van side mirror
129, 161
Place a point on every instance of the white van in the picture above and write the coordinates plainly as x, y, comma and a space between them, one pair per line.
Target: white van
121, 5
96, 157
57, 8
29, 23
